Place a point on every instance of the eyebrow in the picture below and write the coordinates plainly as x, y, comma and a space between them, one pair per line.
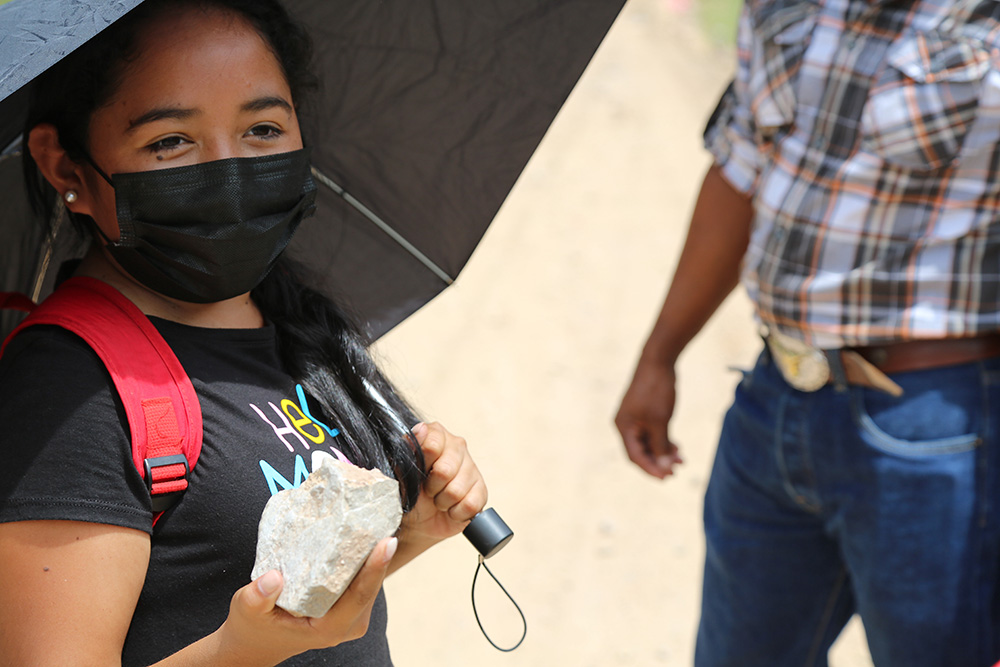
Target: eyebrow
265, 103
174, 113
154, 115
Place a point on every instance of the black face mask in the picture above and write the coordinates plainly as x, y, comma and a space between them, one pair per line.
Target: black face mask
211, 231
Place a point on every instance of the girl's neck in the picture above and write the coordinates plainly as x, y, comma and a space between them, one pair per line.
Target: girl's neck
239, 312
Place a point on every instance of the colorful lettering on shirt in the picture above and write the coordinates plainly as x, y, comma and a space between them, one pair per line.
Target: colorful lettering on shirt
301, 421
304, 405
276, 479
295, 424
282, 431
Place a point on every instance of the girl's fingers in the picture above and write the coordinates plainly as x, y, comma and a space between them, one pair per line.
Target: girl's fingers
259, 596
348, 618
446, 457
470, 504
432, 439
453, 482
367, 582
456, 489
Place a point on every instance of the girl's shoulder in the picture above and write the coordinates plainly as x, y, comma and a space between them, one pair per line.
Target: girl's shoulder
65, 442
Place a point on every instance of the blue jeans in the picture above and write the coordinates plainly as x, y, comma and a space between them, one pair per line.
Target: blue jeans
848, 500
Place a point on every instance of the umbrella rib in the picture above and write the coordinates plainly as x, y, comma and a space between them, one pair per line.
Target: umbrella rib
383, 225
47, 249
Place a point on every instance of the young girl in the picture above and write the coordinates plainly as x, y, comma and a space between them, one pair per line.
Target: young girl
173, 139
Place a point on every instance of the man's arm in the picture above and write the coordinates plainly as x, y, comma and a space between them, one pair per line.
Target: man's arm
707, 272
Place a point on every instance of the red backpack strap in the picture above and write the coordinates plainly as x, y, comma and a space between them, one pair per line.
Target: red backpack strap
163, 411
16, 301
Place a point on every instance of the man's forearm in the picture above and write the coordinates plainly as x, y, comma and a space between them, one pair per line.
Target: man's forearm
708, 270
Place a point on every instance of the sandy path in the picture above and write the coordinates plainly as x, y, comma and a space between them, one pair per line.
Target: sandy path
528, 354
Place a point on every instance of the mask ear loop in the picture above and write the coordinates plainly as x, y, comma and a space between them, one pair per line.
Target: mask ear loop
524, 622
97, 228
90, 161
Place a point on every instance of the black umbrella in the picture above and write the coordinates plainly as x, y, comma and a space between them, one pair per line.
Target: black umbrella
427, 114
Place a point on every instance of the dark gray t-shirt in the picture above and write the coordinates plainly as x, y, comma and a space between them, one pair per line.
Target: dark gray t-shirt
66, 454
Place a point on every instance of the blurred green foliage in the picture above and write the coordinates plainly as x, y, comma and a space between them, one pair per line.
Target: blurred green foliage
719, 18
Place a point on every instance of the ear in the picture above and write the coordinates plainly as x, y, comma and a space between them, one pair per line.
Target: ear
56, 166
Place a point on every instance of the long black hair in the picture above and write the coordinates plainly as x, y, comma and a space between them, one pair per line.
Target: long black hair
318, 344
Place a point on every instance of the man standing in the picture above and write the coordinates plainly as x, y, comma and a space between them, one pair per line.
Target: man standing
855, 194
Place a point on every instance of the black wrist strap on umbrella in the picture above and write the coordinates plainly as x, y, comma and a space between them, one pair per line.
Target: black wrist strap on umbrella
489, 534
524, 622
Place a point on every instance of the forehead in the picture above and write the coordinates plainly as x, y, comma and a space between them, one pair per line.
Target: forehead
190, 55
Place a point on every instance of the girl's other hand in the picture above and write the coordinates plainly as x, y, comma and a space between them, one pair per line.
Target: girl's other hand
452, 494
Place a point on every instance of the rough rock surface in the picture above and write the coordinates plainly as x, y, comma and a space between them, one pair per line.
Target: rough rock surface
319, 534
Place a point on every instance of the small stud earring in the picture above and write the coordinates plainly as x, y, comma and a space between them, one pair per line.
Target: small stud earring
70, 196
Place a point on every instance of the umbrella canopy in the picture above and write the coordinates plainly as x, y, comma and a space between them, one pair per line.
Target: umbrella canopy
427, 114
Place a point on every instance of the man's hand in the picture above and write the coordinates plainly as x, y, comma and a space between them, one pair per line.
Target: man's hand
643, 418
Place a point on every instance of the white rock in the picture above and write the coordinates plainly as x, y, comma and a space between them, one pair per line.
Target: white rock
319, 534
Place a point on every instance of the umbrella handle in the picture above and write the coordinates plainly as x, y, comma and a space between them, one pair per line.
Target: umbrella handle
488, 532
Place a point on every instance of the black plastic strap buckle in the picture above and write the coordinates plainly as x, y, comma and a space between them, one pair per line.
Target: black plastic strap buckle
163, 501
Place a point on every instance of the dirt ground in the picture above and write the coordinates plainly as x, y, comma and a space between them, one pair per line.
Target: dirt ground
529, 353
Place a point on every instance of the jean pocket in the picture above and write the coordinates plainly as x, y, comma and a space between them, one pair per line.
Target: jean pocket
784, 29
931, 418
925, 100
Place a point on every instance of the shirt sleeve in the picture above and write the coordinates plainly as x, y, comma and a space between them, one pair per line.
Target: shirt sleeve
65, 444
730, 135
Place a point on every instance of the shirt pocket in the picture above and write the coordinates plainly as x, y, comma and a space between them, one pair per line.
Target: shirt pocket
924, 101
783, 29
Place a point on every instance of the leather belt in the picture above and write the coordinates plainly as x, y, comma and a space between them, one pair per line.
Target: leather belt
918, 355
808, 369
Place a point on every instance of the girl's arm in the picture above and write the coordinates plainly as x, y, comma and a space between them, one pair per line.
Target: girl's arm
68, 590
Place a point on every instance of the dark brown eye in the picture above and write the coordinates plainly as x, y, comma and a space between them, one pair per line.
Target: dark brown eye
166, 144
265, 132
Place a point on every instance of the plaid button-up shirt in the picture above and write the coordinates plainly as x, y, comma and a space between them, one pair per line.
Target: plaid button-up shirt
868, 134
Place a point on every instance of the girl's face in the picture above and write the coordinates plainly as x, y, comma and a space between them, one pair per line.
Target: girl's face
205, 86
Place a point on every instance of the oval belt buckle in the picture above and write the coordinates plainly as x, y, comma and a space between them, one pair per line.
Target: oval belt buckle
804, 367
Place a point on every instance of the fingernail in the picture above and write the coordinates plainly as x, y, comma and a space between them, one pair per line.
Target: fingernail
269, 583
390, 550
419, 429
664, 461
